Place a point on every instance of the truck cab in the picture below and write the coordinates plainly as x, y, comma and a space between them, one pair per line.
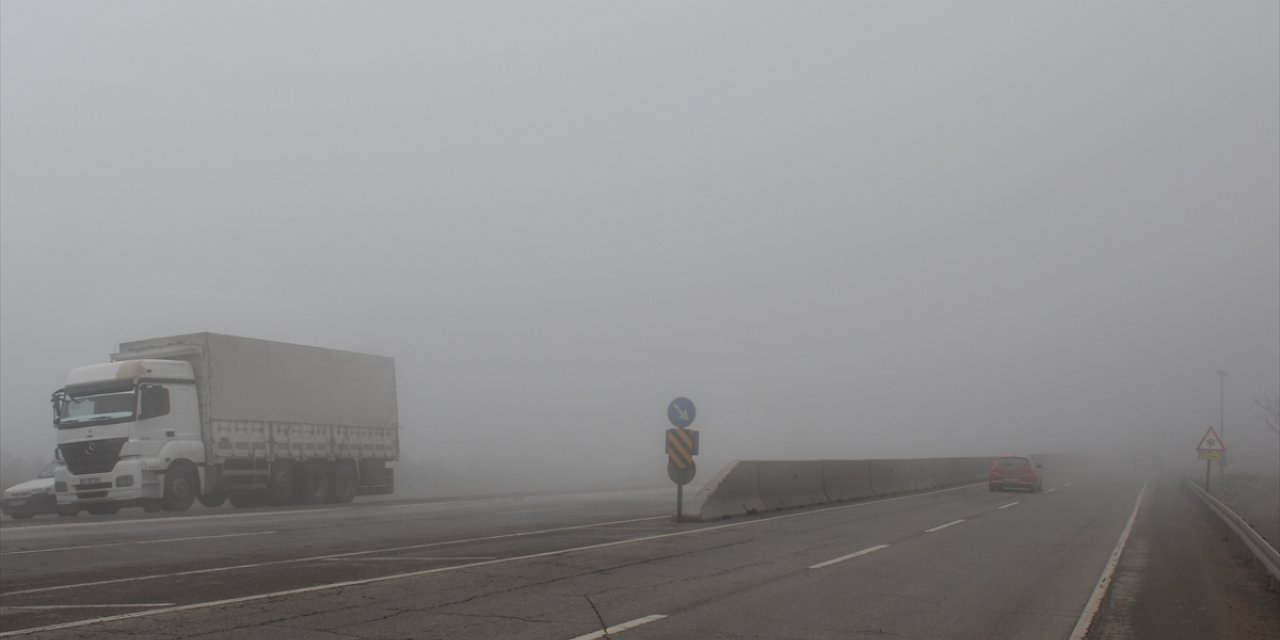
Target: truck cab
128, 434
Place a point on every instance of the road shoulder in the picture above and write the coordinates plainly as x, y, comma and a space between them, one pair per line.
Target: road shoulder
1179, 579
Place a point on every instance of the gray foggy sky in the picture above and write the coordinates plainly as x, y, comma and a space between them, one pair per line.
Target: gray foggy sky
844, 229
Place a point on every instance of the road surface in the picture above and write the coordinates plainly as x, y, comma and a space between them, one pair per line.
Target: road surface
961, 562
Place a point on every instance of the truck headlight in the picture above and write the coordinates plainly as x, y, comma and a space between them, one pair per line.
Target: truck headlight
60, 486
124, 481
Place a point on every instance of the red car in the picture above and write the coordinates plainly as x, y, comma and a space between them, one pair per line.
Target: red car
1014, 472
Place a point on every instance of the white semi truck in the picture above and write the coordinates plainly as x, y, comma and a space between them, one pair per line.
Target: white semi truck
213, 418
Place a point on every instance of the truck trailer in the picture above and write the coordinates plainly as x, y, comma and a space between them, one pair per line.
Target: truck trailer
220, 418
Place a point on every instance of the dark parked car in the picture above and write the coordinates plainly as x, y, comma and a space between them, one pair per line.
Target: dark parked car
1014, 472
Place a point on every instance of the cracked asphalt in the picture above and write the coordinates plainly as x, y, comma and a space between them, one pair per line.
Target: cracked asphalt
561, 566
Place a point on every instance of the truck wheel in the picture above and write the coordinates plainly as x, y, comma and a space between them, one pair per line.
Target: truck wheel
345, 482
214, 499
242, 499
102, 509
281, 484
180, 488
315, 483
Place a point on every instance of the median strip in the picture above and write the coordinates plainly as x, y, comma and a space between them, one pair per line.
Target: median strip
849, 557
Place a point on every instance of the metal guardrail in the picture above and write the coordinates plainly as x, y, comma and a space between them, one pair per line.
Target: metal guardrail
1262, 551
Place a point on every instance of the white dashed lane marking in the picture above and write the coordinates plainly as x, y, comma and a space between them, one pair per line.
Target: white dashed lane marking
944, 526
618, 628
849, 557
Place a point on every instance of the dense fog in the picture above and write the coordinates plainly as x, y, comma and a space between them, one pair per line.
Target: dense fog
845, 230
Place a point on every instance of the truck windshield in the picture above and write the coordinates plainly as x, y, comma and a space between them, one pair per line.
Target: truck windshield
106, 407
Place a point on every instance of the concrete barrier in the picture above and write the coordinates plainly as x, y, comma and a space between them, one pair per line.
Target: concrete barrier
921, 470
753, 486
847, 479
952, 471
889, 477
734, 491
981, 468
790, 483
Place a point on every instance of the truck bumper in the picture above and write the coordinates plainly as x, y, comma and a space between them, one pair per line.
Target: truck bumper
126, 484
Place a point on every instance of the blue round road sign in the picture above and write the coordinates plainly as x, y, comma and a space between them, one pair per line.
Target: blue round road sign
681, 412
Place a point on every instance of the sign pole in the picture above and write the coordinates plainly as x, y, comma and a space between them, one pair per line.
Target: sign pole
679, 503
681, 446
1208, 464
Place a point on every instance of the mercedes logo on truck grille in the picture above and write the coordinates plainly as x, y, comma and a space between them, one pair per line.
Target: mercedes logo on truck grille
90, 448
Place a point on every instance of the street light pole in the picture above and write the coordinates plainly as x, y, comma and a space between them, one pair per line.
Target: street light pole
1222, 428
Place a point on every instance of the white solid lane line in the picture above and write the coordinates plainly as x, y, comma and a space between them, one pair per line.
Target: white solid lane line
1095, 600
225, 535
118, 544
1009, 505
539, 510
87, 546
849, 557
43, 607
618, 628
1050, 490
944, 526
404, 558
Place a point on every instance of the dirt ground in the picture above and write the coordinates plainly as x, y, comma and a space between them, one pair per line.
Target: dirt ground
1255, 498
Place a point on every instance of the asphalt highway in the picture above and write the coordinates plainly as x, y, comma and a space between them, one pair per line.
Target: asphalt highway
961, 562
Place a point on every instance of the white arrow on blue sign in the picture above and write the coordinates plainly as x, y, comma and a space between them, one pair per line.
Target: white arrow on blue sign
681, 412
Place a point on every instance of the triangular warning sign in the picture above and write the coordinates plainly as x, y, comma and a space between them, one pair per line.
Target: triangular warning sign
1211, 442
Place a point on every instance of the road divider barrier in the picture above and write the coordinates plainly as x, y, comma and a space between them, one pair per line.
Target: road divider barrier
847, 479
786, 484
732, 492
745, 487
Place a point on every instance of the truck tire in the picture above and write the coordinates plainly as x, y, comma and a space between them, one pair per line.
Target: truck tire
214, 499
102, 509
345, 482
180, 487
281, 483
243, 499
314, 485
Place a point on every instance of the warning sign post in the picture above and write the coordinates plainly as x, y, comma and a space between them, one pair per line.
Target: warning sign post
1210, 448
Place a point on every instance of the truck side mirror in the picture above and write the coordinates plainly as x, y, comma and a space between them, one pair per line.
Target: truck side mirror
57, 400
155, 401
